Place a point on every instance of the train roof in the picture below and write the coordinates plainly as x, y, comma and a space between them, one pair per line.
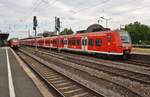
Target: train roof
4, 36
30, 38
77, 34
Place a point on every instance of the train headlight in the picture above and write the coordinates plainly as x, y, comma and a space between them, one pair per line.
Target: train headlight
126, 52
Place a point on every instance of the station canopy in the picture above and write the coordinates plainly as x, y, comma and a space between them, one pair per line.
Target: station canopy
3, 39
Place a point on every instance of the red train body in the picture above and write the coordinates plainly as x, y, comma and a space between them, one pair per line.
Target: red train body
14, 43
104, 42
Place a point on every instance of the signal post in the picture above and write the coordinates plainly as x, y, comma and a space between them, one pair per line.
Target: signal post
57, 29
35, 24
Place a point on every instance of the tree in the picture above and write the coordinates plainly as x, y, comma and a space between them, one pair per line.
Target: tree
139, 32
49, 33
46, 34
66, 31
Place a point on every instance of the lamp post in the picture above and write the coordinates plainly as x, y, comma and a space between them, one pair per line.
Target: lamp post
106, 19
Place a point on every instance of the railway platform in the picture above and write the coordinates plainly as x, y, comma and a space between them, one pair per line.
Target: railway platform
14, 82
141, 51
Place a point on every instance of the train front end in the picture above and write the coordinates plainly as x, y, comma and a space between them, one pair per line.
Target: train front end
14, 43
126, 43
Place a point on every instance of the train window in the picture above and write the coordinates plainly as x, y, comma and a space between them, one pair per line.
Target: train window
65, 42
59, 41
98, 42
62, 41
109, 38
91, 42
85, 41
45, 42
69, 42
54, 42
82, 41
78, 42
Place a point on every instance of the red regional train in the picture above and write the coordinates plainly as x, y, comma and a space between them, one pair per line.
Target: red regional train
14, 43
109, 42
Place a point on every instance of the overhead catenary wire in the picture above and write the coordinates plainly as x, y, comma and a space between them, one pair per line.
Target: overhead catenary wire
80, 10
76, 12
125, 12
94, 6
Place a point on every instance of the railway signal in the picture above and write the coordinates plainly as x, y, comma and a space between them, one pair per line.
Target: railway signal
57, 24
35, 24
57, 29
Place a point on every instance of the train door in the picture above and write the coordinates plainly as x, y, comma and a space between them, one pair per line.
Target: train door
51, 43
109, 41
65, 43
44, 44
84, 43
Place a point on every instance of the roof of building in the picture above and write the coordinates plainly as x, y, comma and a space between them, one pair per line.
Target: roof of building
4, 36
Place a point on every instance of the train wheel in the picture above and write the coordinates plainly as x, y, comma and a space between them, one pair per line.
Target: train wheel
126, 56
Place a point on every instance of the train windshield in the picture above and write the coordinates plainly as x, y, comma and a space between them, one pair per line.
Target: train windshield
15, 40
125, 37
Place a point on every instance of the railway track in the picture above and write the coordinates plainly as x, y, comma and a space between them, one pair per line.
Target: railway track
139, 63
133, 74
63, 86
88, 65
127, 63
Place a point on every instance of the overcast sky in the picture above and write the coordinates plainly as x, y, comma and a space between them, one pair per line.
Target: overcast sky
16, 15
